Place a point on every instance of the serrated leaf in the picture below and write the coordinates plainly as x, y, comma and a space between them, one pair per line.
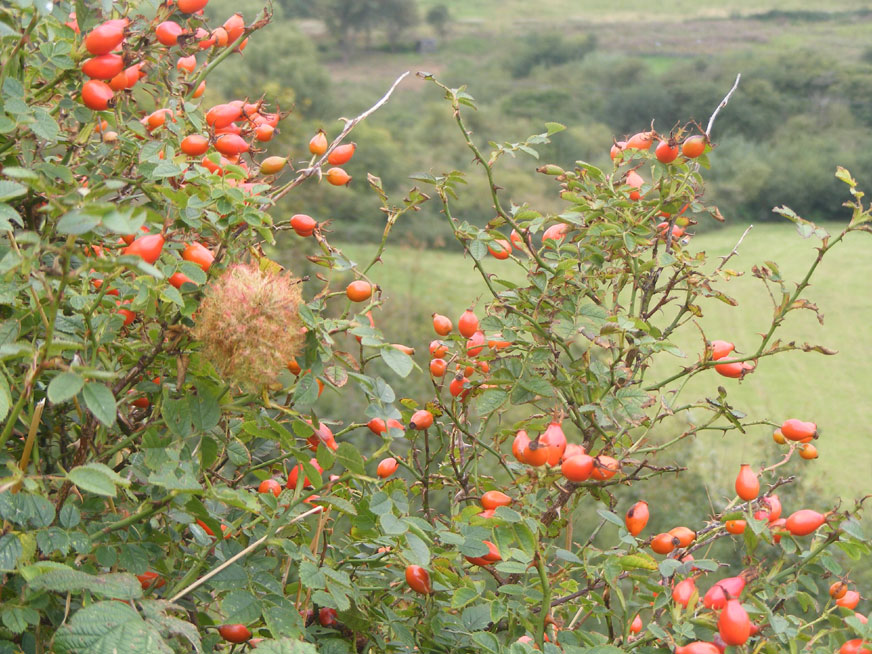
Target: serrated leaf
349, 456
391, 525
238, 453
64, 387
306, 391
240, 606
400, 362
204, 410
668, 567
337, 502
610, 517
475, 618
10, 190
491, 400
173, 295
97, 478
177, 414
100, 402
5, 397
155, 611
478, 249
18, 618
10, 552
44, 126
311, 576
463, 596
107, 627
117, 585
77, 222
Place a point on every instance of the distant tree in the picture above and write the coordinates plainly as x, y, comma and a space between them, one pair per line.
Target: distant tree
438, 18
346, 18
297, 8
397, 16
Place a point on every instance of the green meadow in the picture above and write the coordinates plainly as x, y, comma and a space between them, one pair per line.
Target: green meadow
830, 390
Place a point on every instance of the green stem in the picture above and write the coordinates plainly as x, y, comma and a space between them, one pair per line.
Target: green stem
133, 519
546, 601
13, 418
229, 50
19, 45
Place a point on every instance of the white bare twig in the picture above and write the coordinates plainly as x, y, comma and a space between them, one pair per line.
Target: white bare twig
233, 559
350, 124
711, 122
735, 250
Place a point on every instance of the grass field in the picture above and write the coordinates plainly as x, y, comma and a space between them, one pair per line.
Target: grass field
829, 390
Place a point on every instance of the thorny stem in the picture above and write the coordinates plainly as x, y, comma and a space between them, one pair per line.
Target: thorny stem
455, 104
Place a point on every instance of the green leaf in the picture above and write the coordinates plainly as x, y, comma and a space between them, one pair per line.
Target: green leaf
610, 517
5, 397
18, 618
97, 478
400, 362
311, 576
177, 414
478, 249
853, 528
491, 400
10, 190
349, 456
44, 126
101, 402
76, 222
173, 295
64, 387
668, 567
390, 524
240, 606
342, 505
306, 391
487, 640
124, 222
155, 612
476, 618
10, 552
238, 453
63, 579
463, 596
8, 215
282, 621
107, 627
205, 412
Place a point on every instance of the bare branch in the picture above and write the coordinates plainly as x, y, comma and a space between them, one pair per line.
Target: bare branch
233, 559
711, 122
315, 168
735, 250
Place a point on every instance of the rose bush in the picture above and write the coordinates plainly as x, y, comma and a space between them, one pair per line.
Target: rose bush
172, 485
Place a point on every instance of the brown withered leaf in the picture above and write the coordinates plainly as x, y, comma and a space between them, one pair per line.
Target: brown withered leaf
348, 359
811, 306
807, 347
336, 375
